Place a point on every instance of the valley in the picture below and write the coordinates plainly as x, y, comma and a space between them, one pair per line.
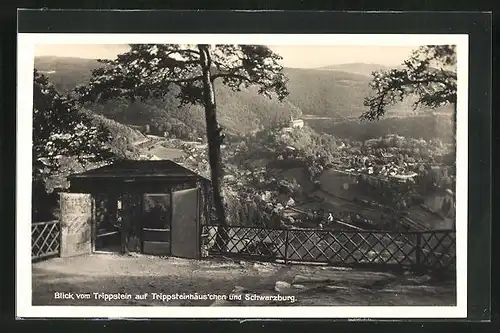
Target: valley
295, 178
301, 197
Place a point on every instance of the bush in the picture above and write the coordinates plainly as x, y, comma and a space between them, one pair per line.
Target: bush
44, 204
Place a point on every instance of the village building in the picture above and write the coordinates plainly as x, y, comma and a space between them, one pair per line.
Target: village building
405, 178
298, 123
292, 125
154, 207
287, 130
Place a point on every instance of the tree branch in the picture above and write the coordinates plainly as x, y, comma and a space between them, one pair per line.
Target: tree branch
186, 80
231, 75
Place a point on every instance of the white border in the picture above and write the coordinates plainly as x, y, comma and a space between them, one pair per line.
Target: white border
24, 309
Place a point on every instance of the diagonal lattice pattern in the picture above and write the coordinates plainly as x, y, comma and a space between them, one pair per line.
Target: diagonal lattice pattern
45, 239
429, 249
438, 250
351, 247
243, 240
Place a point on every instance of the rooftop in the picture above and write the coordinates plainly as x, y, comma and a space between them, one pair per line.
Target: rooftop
139, 168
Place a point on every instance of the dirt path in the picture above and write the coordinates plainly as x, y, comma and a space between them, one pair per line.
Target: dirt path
140, 142
164, 153
141, 274
311, 285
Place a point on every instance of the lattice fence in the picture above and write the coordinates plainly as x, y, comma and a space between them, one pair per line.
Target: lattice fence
437, 249
45, 239
434, 249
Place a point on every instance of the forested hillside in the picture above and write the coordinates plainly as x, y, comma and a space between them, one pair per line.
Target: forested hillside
336, 94
327, 93
331, 93
355, 68
66, 73
240, 113
424, 126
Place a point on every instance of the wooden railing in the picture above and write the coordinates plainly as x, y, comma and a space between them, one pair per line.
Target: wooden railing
45, 239
425, 249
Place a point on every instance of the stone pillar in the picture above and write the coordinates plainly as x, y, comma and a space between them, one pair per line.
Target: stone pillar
76, 224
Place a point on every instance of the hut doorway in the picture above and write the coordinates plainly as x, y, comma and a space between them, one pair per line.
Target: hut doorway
130, 220
118, 222
156, 223
107, 237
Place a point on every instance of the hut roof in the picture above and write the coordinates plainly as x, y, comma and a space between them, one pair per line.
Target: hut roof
165, 169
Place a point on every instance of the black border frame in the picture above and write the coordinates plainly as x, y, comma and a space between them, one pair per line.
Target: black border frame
478, 25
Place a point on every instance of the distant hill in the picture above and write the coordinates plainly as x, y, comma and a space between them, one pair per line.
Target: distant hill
336, 94
355, 68
334, 91
66, 73
239, 113
327, 93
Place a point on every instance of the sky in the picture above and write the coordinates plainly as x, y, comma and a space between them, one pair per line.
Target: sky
293, 55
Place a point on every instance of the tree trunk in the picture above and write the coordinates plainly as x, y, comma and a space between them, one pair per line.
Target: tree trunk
214, 151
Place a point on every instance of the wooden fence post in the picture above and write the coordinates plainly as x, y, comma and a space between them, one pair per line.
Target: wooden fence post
286, 246
419, 250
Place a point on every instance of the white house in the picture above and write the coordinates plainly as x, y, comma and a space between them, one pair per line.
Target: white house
404, 178
298, 123
293, 124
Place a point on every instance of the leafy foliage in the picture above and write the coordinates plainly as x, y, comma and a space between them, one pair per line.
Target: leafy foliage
430, 74
188, 121
60, 129
61, 132
302, 148
150, 71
